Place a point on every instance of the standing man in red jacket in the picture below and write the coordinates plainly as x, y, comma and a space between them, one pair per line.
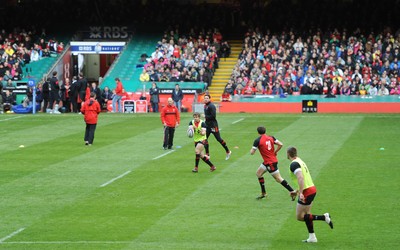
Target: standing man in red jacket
119, 92
170, 118
90, 109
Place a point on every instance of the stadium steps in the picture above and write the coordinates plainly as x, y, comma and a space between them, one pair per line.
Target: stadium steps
36, 71
224, 71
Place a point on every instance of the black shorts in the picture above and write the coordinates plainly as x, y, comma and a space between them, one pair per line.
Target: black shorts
204, 142
271, 167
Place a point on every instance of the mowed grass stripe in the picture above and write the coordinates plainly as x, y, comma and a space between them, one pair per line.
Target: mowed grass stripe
55, 146
361, 182
50, 186
358, 196
225, 218
162, 205
86, 171
42, 192
31, 130
221, 214
304, 133
317, 141
138, 148
139, 184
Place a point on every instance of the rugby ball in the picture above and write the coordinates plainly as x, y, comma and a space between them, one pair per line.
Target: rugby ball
190, 132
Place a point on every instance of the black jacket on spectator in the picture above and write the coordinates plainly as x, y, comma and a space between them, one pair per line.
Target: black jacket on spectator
9, 98
82, 85
154, 95
73, 94
26, 58
98, 93
306, 89
45, 90
107, 95
2, 71
177, 96
316, 89
204, 78
64, 93
225, 50
16, 78
55, 88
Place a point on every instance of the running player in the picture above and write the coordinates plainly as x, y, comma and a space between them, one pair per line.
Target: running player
210, 113
307, 192
266, 145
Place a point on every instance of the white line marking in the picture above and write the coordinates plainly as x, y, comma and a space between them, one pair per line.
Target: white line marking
155, 158
11, 235
116, 178
66, 242
238, 121
11, 118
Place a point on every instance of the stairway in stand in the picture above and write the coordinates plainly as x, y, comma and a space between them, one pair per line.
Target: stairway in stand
223, 73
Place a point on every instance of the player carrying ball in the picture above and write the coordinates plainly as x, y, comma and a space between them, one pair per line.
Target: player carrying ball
200, 139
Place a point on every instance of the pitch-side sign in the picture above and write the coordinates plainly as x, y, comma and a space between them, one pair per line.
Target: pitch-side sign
132, 106
97, 47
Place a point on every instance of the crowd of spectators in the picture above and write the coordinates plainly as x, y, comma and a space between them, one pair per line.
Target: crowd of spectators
189, 57
18, 48
286, 54
332, 62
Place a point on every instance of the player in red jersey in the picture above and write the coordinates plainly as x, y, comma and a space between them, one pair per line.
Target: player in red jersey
266, 145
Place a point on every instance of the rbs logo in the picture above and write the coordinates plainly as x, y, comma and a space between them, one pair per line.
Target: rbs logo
108, 32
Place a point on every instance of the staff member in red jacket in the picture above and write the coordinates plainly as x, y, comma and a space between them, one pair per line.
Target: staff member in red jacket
90, 109
170, 119
119, 92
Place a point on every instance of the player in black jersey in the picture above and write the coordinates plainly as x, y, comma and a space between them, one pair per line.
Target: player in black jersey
210, 113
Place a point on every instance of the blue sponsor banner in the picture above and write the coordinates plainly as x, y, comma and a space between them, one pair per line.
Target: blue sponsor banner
97, 47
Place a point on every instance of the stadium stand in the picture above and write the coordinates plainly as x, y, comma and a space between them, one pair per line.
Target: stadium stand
129, 65
361, 47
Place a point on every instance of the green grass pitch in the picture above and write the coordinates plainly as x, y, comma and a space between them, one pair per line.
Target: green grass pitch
126, 192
